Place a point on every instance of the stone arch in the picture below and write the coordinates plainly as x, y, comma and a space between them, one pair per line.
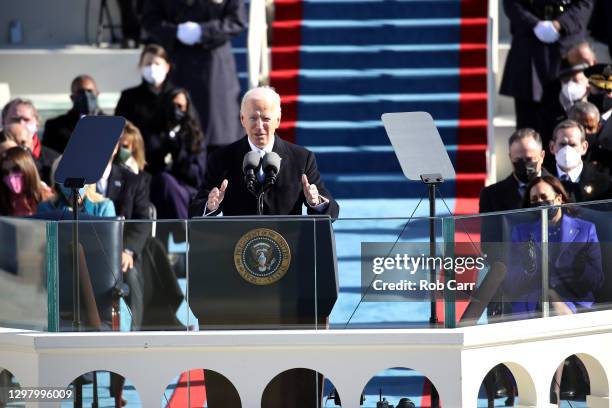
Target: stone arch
199, 384
525, 385
410, 387
597, 375
8, 381
109, 384
597, 379
302, 383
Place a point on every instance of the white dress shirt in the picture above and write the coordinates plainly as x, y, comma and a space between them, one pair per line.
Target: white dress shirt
102, 184
573, 174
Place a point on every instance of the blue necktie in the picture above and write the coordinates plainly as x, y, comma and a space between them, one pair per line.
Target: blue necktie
260, 174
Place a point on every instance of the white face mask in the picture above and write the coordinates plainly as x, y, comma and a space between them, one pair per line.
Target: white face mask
573, 91
154, 74
32, 128
568, 158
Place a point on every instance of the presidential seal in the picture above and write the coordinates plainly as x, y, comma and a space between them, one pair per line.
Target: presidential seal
262, 256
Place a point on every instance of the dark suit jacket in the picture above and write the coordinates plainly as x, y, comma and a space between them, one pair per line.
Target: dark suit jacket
58, 130
144, 107
284, 198
600, 26
130, 194
44, 162
575, 268
526, 47
503, 195
594, 184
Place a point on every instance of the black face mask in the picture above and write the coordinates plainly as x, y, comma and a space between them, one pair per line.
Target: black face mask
552, 212
179, 115
591, 138
524, 170
86, 102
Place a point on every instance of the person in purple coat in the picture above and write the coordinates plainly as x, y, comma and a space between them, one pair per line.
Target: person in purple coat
575, 267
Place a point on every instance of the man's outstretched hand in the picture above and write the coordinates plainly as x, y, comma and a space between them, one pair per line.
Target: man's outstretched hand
310, 192
216, 196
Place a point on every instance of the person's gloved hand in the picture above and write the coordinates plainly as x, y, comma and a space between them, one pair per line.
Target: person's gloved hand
546, 32
189, 33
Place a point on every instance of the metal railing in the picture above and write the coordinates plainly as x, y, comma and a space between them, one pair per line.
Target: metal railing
258, 63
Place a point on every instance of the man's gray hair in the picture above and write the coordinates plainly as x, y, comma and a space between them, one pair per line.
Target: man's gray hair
11, 105
569, 124
267, 92
581, 109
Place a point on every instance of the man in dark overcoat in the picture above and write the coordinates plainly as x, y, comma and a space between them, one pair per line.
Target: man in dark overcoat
197, 35
542, 32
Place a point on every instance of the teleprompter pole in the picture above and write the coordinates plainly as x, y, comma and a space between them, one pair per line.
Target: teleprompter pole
75, 184
432, 181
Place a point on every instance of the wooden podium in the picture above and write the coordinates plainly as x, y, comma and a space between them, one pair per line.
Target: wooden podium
267, 272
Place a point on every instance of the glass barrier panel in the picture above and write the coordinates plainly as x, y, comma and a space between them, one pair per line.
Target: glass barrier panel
122, 276
384, 278
23, 274
539, 262
255, 272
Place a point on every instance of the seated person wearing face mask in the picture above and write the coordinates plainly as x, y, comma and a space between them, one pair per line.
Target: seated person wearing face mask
582, 180
21, 189
588, 116
575, 268
84, 95
574, 273
571, 87
527, 155
178, 158
89, 201
143, 105
22, 111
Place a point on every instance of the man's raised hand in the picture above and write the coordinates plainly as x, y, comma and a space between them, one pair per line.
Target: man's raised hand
216, 196
310, 192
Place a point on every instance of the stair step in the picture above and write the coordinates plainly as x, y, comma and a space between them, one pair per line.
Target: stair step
113, 69
357, 133
366, 9
363, 32
369, 185
371, 107
384, 56
382, 159
426, 80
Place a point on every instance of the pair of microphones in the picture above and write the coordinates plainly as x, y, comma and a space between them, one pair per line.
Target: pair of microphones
269, 164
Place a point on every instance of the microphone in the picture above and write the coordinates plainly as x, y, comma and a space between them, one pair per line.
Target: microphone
250, 163
271, 167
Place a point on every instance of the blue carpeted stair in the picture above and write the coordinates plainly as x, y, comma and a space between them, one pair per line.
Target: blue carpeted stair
339, 65
343, 63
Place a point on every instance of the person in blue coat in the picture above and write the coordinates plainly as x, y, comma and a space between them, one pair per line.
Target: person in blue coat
575, 267
90, 202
